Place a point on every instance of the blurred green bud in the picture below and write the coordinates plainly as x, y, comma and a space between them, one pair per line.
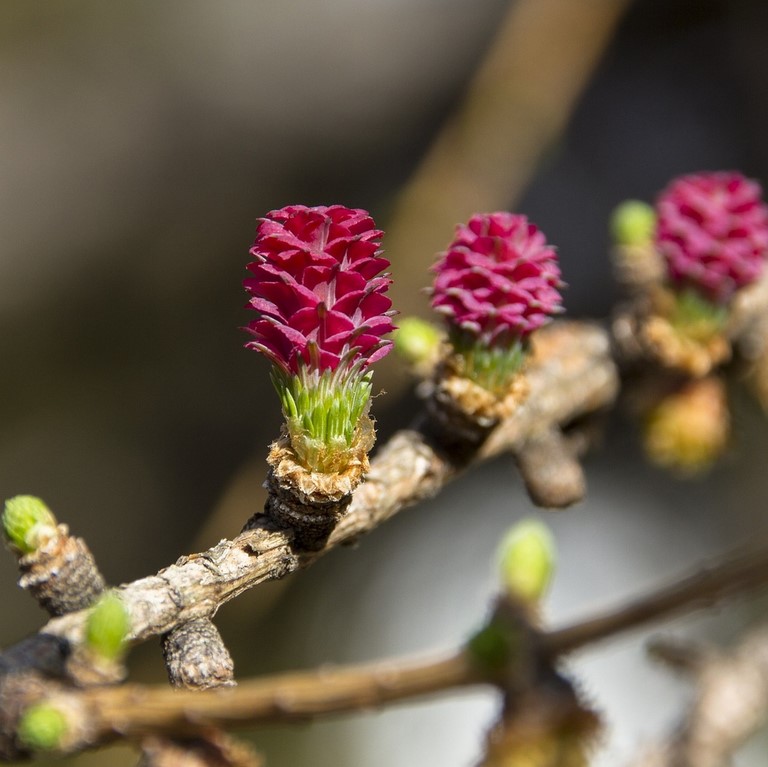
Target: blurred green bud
26, 521
527, 560
107, 627
491, 648
417, 340
42, 727
633, 223
696, 317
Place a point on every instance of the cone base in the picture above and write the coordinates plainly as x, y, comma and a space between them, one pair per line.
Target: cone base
311, 503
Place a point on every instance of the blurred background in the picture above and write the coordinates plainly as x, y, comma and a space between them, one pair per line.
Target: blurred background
139, 142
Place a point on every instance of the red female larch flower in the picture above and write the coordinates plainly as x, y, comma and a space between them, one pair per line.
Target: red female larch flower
316, 288
712, 233
323, 313
497, 282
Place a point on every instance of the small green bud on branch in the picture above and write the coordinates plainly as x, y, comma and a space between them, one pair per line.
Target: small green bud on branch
527, 558
633, 223
43, 727
57, 568
27, 523
107, 627
418, 343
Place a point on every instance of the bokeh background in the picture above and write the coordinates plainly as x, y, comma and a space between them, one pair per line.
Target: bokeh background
139, 141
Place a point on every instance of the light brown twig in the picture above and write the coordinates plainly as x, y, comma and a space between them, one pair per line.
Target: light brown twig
720, 579
99, 714
730, 704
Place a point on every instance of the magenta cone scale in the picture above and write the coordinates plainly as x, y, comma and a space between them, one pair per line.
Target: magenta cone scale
498, 280
318, 288
713, 233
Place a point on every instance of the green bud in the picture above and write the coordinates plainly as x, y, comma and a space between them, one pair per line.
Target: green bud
107, 627
527, 560
26, 521
492, 367
633, 223
42, 727
491, 648
417, 340
697, 317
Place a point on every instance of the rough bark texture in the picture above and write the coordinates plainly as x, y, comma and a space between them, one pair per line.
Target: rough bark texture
62, 574
99, 714
196, 657
571, 373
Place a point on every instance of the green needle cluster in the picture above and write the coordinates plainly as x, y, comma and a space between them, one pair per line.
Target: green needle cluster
322, 412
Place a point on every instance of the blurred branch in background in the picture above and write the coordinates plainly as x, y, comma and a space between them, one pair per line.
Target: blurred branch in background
482, 159
518, 103
413, 466
730, 701
730, 705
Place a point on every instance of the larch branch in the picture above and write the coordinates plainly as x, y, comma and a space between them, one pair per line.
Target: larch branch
734, 574
572, 373
98, 715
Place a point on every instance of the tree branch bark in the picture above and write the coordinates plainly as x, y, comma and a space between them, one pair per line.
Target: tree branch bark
98, 715
571, 373
730, 704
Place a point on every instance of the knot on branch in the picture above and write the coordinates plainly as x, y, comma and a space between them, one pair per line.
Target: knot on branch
551, 471
196, 657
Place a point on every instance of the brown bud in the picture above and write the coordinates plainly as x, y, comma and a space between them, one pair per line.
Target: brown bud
693, 347
552, 474
637, 267
462, 412
688, 430
196, 657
